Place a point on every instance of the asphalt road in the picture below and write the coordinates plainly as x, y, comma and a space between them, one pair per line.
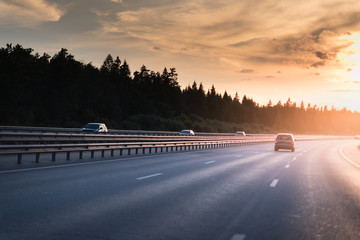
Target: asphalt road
248, 192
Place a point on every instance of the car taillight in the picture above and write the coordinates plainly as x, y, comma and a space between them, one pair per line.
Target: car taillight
275, 141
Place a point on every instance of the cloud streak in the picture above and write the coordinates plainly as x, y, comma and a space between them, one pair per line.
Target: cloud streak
260, 32
27, 12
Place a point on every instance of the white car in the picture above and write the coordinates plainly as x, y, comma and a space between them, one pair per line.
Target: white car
240, 133
186, 133
94, 127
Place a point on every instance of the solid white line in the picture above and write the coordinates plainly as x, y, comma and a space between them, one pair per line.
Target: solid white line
58, 166
149, 176
238, 156
72, 164
287, 166
348, 159
210, 162
274, 183
238, 237
294, 159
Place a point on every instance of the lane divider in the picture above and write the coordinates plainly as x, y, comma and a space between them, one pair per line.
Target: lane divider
149, 176
238, 237
210, 162
274, 183
348, 159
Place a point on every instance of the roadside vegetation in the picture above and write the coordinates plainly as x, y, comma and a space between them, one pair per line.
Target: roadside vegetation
39, 90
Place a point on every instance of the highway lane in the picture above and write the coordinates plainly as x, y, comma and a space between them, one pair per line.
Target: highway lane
248, 192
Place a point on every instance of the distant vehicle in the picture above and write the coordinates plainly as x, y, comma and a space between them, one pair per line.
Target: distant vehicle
240, 133
284, 141
357, 137
187, 133
94, 127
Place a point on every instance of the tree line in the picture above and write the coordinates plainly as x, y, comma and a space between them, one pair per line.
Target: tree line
40, 90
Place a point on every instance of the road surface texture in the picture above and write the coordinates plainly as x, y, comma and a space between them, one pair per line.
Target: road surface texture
239, 193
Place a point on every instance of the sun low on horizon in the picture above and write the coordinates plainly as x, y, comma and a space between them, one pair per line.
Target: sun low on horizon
267, 50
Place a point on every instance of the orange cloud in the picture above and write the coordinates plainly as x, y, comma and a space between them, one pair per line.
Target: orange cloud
28, 12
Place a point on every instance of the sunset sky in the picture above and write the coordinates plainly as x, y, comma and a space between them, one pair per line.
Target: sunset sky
269, 49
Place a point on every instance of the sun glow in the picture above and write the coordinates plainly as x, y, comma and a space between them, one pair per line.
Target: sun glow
354, 73
351, 57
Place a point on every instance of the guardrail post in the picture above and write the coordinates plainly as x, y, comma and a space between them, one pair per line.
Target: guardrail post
129, 150
92, 154
19, 158
68, 156
102, 153
120, 152
80, 154
37, 159
112, 152
149, 149
136, 151
53, 156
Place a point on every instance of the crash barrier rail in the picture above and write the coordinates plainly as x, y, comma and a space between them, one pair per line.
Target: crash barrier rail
135, 147
152, 147
20, 138
25, 129
11, 138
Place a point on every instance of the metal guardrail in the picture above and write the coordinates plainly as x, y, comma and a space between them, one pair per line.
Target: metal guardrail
24, 129
50, 138
155, 147
18, 141
38, 141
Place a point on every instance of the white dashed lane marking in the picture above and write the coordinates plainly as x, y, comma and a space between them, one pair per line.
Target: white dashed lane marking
210, 162
238, 237
149, 176
274, 183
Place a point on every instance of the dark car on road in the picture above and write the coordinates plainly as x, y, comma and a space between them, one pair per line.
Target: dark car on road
284, 141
